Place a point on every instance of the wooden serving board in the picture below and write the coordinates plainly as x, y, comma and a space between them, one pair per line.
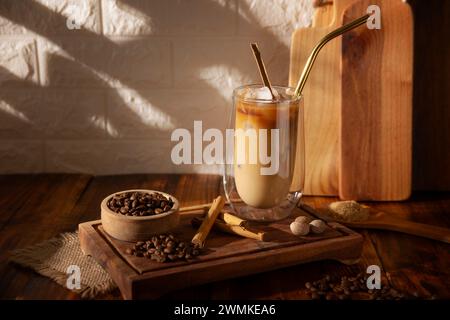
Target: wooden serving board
227, 256
322, 95
376, 115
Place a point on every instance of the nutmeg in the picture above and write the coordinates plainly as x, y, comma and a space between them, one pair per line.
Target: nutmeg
299, 228
317, 226
303, 219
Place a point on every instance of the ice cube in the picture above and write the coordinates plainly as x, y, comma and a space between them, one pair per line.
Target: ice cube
261, 94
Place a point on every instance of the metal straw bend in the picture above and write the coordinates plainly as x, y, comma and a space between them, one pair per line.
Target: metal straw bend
312, 57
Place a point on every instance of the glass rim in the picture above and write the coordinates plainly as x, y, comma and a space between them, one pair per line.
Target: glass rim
253, 85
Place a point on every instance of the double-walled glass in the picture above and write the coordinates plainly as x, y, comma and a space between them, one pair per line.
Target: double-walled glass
264, 174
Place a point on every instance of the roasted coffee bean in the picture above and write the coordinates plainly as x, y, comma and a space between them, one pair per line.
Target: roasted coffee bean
315, 296
140, 203
348, 288
172, 257
165, 248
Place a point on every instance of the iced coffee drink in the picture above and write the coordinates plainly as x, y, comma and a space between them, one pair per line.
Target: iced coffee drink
265, 149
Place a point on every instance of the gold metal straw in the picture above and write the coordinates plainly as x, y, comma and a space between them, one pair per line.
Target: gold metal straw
309, 63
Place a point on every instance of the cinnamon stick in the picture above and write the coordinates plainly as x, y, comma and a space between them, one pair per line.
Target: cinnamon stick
262, 68
231, 219
233, 229
205, 206
200, 237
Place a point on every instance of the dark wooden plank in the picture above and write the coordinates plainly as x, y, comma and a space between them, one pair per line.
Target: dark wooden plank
35, 208
40, 199
189, 189
417, 265
413, 263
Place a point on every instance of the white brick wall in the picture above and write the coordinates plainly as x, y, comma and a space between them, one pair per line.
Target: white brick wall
104, 99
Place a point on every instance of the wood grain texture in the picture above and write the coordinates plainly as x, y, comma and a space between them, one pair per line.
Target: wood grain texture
431, 151
384, 221
376, 115
322, 99
226, 256
323, 14
413, 264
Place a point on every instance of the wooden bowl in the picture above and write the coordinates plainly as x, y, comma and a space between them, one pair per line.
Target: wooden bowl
131, 228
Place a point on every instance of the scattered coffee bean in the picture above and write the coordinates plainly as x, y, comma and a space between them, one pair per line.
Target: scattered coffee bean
315, 296
164, 248
140, 203
350, 287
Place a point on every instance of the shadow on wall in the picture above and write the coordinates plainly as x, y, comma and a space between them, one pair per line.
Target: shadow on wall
76, 64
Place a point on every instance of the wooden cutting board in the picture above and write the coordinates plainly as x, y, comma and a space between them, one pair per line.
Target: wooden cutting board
322, 96
376, 108
227, 256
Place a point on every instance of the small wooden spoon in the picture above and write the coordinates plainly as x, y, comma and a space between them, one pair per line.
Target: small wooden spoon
384, 221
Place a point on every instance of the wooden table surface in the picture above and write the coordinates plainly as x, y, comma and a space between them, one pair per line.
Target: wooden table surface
34, 208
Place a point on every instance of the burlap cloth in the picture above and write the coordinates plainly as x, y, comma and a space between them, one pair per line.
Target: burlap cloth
51, 258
